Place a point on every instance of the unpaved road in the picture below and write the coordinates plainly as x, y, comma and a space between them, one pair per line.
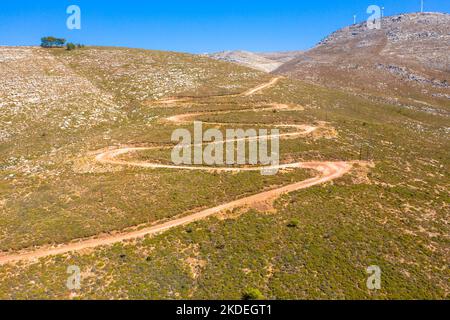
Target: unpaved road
328, 171
259, 88
247, 93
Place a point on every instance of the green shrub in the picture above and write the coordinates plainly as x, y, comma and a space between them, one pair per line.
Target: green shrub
70, 46
294, 223
252, 294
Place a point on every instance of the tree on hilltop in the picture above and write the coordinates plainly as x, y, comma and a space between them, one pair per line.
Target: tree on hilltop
52, 42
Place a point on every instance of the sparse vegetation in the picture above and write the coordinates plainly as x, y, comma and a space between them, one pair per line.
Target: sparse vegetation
59, 108
70, 46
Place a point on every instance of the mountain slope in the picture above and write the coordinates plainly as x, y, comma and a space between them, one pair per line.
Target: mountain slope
266, 62
61, 110
57, 106
407, 58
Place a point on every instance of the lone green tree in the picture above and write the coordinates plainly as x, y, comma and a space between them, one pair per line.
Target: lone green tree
52, 42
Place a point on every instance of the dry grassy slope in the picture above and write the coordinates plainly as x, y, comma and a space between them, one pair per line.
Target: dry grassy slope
49, 95
57, 106
394, 215
37, 91
150, 75
407, 58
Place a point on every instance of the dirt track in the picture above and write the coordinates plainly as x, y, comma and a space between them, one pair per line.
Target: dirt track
259, 88
327, 171
247, 93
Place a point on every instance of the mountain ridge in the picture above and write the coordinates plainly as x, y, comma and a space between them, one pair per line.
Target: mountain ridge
409, 54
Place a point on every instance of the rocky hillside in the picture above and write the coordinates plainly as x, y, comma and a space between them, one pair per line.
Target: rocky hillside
52, 96
267, 62
407, 58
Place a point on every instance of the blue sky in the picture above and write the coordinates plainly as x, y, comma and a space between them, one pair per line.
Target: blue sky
193, 25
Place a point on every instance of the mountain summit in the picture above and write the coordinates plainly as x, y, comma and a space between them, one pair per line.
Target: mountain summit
409, 53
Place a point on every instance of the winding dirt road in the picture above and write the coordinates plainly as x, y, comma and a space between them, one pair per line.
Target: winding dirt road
328, 171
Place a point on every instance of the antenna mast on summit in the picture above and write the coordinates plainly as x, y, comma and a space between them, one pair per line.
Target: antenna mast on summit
421, 6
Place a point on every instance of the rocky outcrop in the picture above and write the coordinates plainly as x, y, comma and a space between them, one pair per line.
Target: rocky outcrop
407, 75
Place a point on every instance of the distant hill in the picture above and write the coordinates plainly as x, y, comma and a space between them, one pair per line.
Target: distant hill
281, 56
266, 62
408, 57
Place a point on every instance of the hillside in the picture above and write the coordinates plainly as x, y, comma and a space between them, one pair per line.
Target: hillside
86, 179
267, 62
57, 107
406, 59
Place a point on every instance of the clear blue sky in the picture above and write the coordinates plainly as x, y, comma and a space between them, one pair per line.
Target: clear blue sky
193, 25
